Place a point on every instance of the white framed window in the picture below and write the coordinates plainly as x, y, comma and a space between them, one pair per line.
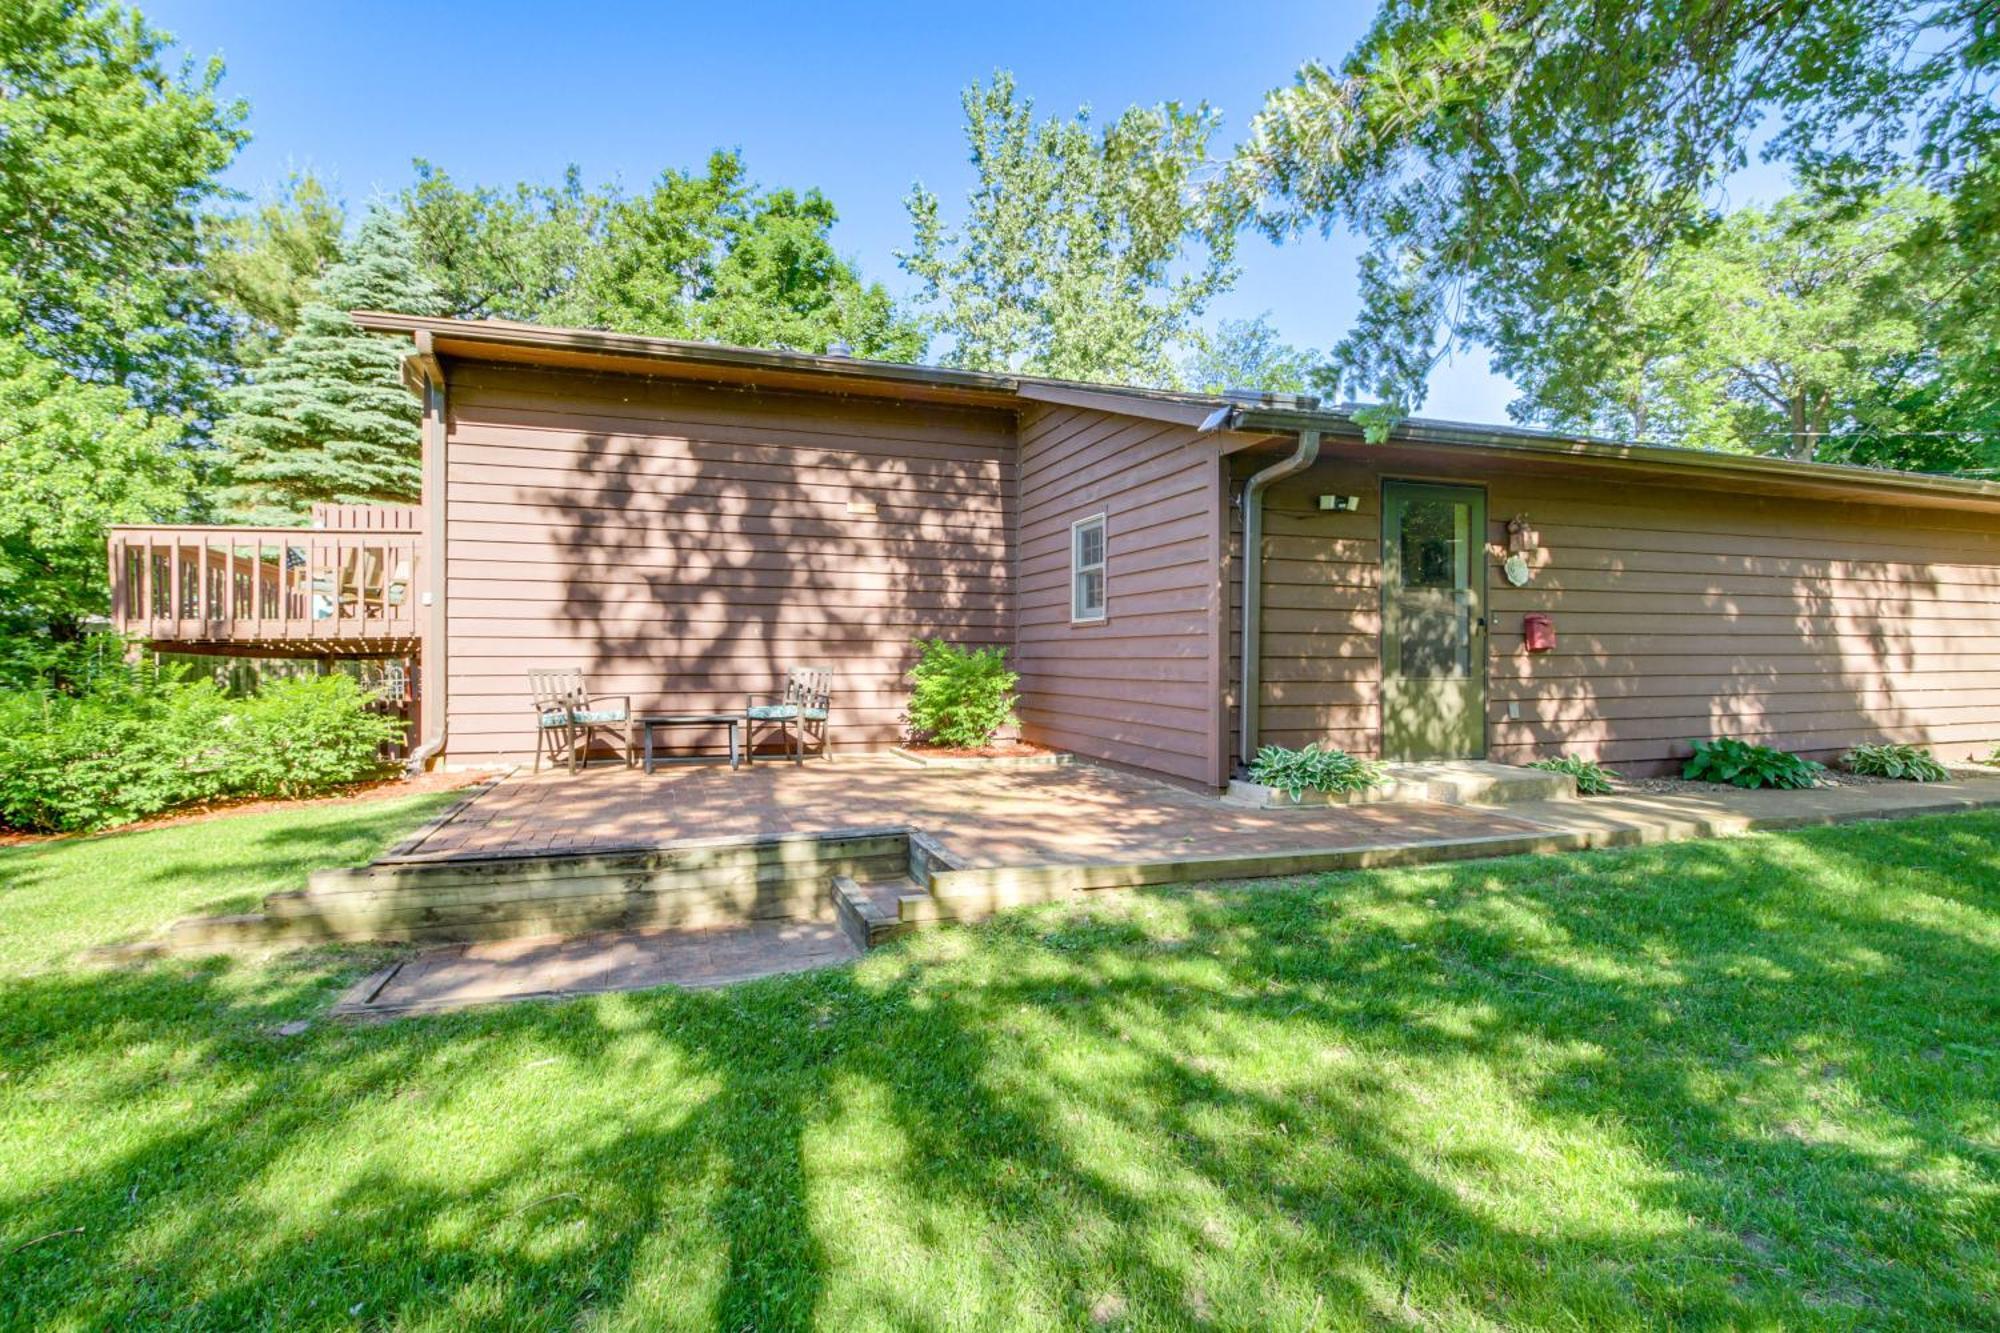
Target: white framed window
1086, 569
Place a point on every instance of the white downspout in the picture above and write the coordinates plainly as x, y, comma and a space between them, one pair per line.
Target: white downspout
433, 641
1298, 461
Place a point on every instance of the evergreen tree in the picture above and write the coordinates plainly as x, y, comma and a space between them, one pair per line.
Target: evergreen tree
327, 417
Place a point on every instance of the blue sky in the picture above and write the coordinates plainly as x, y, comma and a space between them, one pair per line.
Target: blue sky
858, 100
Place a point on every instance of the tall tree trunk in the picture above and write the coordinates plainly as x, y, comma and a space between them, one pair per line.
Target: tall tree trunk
1803, 442
1638, 404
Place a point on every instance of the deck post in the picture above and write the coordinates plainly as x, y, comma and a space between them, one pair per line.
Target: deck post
115, 553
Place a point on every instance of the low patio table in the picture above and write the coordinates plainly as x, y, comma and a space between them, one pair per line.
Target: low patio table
733, 721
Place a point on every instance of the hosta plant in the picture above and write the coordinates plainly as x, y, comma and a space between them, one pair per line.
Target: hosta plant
1912, 763
1741, 764
1296, 772
1592, 779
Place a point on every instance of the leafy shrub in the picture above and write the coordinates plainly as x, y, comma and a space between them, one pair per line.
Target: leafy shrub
39, 662
960, 696
1910, 762
1741, 764
1591, 779
132, 745
1296, 772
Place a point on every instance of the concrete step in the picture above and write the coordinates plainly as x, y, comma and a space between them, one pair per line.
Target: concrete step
1456, 782
1477, 782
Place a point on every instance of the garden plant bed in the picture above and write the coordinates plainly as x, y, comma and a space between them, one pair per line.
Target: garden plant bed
376, 789
1008, 754
1833, 777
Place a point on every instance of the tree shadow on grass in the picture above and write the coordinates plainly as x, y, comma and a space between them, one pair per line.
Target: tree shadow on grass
1533, 1092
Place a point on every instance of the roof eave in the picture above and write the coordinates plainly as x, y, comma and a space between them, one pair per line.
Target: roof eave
1667, 457
458, 337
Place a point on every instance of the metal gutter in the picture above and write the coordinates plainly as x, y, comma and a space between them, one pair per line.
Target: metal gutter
1500, 439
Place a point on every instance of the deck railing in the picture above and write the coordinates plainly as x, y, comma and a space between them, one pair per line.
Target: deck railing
334, 588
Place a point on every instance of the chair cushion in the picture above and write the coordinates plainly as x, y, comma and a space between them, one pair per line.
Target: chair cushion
555, 717
599, 715
815, 715
773, 712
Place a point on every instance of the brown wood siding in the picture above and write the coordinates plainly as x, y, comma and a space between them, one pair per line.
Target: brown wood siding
684, 544
1679, 614
1139, 688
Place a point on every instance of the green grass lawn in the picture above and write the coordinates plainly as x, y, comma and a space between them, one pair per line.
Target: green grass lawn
1751, 1083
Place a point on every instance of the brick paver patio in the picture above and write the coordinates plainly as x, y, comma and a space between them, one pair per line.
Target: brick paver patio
987, 817
1071, 816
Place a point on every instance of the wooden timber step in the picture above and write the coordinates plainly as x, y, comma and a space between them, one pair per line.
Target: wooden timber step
873, 912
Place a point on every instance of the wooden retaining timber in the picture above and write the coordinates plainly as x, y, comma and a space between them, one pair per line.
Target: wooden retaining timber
779, 877
878, 883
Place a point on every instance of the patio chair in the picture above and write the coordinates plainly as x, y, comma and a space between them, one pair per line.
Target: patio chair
568, 718
799, 712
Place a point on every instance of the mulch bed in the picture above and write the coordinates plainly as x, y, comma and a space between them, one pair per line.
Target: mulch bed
1684, 787
1005, 750
354, 793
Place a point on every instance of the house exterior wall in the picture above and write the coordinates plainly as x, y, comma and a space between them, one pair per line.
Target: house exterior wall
683, 544
1680, 613
1141, 687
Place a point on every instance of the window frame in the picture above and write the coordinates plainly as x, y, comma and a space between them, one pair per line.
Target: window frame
1078, 615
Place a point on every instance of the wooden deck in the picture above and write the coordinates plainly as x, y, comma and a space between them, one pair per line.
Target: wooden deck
347, 585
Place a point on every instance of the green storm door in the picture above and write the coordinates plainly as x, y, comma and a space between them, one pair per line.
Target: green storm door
1433, 621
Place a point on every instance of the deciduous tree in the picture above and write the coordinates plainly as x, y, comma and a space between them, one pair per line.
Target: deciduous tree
1777, 332
696, 255
1516, 168
709, 257
506, 254
1249, 354
262, 265
1083, 254
74, 458
107, 154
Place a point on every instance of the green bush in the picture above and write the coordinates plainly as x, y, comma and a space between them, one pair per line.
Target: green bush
960, 696
1591, 779
133, 745
1296, 772
1913, 763
1741, 764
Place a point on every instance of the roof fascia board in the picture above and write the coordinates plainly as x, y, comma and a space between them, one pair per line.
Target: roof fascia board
1247, 428
1780, 470
1147, 406
449, 334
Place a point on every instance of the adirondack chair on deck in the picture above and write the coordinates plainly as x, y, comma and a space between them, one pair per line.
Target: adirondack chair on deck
799, 712
568, 718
